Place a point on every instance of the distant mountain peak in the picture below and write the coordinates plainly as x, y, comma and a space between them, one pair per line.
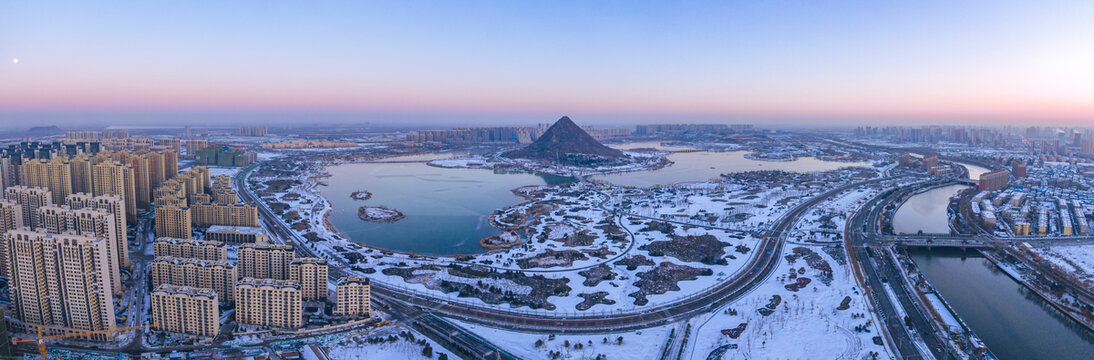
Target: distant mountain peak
564, 141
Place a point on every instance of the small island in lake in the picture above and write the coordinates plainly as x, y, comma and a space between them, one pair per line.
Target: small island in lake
379, 214
361, 195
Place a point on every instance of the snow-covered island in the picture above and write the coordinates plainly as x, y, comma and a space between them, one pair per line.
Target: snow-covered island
361, 195
379, 214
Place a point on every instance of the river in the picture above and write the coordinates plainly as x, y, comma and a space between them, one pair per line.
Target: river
1012, 321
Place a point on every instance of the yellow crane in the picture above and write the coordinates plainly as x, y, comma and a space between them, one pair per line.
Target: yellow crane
41, 340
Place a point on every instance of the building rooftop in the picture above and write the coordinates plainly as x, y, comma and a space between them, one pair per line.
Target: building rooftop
186, 290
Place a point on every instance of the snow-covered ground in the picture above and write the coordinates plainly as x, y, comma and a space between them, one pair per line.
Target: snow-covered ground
1079, 259
638, 345
806, 323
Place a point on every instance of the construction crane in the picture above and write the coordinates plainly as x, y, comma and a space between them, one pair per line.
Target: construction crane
41, 340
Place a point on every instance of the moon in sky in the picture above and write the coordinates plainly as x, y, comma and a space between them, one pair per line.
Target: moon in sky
15, 61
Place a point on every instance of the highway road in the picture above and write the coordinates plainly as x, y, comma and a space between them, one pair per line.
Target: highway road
758, 268
879, 270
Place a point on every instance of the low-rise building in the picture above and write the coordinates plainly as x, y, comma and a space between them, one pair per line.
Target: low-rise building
237, 234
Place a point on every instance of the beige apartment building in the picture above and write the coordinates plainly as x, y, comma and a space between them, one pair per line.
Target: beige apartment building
354, 297
55, 175
30, 199
190, 248
269, 302
112, 204
87, 222
205, 214
173, 222
311, 273
115, 178
57, 281
219, 275
11, 218
186, 310
265, 261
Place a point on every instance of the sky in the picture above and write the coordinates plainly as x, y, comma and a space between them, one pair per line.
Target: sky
493, 62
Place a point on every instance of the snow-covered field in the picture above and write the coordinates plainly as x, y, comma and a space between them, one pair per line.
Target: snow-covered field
806, 324
638, 345
1076, 258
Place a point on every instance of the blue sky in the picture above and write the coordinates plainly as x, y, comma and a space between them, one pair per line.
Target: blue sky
778, 62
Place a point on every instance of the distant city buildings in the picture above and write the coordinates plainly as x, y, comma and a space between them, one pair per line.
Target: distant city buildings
308, 144
681, 129
223, 155
479, 135
250, 131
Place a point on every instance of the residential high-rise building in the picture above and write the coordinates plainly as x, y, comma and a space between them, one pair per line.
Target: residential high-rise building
173, 222
190, 248
81, 174
142, 180
11, 218
186, 310
311, 273
55, 175
219, 275
1018, 168
114, 205
57, 282
30, 199
114, 178
250, 131
87, 222
354, 297
265, 261
994, 180
224, 214
929, 161
269, 302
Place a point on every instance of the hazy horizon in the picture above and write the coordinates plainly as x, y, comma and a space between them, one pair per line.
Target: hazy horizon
771, 64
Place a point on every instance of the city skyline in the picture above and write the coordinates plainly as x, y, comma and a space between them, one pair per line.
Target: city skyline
777, 64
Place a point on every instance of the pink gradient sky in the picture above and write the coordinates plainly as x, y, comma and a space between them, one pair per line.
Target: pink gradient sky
979, 61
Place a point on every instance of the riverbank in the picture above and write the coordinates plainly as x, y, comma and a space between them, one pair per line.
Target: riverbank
1018, 276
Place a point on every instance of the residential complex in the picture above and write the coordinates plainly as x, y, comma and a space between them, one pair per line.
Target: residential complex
59, 281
